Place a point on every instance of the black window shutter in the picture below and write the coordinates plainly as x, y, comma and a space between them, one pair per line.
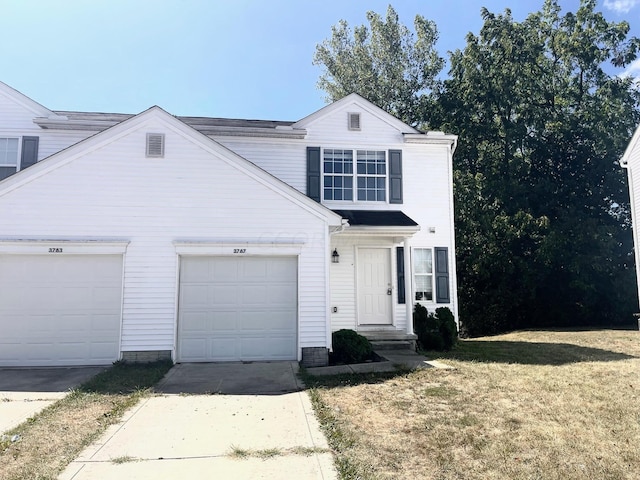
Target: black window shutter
29, 151
442, 275
395, 176
400, 270
313, 173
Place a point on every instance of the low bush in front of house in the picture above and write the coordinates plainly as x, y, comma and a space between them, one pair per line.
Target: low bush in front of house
350, 347
435, 331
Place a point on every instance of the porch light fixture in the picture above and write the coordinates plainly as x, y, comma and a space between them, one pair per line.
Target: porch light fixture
335, 256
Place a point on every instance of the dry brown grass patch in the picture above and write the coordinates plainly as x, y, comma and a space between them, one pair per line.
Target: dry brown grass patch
54, 437
552, 405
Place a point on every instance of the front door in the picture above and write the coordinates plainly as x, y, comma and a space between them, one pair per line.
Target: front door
374, 286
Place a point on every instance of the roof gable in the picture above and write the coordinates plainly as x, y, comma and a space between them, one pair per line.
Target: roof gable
24, 101
632, 152
358, 102
154, 116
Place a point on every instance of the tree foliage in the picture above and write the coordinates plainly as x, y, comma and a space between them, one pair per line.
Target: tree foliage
542, 211
542, 204
385, 63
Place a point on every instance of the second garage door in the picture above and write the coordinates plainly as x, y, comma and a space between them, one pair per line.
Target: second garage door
237, 308
60, 309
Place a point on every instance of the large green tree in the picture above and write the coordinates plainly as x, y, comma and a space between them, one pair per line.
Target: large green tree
542, 204
542, 215
385, 63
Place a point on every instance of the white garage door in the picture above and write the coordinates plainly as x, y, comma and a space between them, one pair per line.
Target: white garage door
237, 308
60, 309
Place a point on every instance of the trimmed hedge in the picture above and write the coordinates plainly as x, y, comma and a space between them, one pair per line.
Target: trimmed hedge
350, 347
435, 332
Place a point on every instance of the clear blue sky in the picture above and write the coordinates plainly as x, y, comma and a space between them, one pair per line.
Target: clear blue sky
221, 58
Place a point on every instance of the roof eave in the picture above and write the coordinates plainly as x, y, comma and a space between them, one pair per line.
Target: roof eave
387, 231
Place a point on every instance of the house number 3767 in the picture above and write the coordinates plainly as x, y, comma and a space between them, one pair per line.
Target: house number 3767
55, 250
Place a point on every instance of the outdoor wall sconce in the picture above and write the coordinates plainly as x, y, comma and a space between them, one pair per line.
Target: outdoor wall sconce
335, 256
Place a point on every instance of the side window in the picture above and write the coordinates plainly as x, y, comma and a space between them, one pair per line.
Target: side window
423, 274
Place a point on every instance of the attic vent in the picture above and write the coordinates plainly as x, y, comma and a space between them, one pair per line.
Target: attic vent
354, 121
155, 144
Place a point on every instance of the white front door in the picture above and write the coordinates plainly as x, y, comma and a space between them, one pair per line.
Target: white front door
374, 286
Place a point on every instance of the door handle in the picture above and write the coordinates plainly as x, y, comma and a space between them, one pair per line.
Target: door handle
388, 291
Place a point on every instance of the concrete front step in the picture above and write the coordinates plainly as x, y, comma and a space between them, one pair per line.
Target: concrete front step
390, 339
393, 345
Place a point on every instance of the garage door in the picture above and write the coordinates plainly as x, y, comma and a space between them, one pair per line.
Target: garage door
237, 308
60, 309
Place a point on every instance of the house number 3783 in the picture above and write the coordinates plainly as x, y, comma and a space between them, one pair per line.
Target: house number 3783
55, 250
239, 250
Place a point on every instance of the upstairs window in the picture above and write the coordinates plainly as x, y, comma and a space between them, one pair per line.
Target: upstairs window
369, 175
338, 174
372, 176
9, 152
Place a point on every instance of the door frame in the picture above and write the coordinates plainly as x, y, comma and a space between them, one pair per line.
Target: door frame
392, 312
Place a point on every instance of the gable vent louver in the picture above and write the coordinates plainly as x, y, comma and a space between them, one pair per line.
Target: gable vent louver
155, 144
354, 121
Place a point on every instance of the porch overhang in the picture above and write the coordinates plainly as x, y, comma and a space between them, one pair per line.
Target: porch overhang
385, 223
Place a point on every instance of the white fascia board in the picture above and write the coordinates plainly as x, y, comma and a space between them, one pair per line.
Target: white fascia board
63, 123
362, 103
431, 138
635, 139
22, 99
380, 231
238, 248
62, 246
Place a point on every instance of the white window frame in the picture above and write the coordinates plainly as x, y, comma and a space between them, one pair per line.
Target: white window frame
355, 176
16, 165
415, 275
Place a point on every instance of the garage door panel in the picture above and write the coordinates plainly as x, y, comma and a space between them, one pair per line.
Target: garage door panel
224, 269
224, 321
250, 300
225, 295
60, 310
108, 325
72, 352
223, 348
280, 294
255, 294
196, 294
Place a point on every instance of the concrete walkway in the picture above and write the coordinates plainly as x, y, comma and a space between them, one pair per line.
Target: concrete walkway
393, 360
242, 435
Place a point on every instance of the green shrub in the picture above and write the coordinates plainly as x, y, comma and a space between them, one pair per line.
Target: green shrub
435, 332
350, 347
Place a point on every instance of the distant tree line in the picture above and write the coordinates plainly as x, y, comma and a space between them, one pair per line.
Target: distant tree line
543, 227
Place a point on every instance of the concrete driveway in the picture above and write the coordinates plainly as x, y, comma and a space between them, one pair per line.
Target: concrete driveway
26, 391
239, 421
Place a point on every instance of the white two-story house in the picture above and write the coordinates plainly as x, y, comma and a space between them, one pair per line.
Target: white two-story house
151, 236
